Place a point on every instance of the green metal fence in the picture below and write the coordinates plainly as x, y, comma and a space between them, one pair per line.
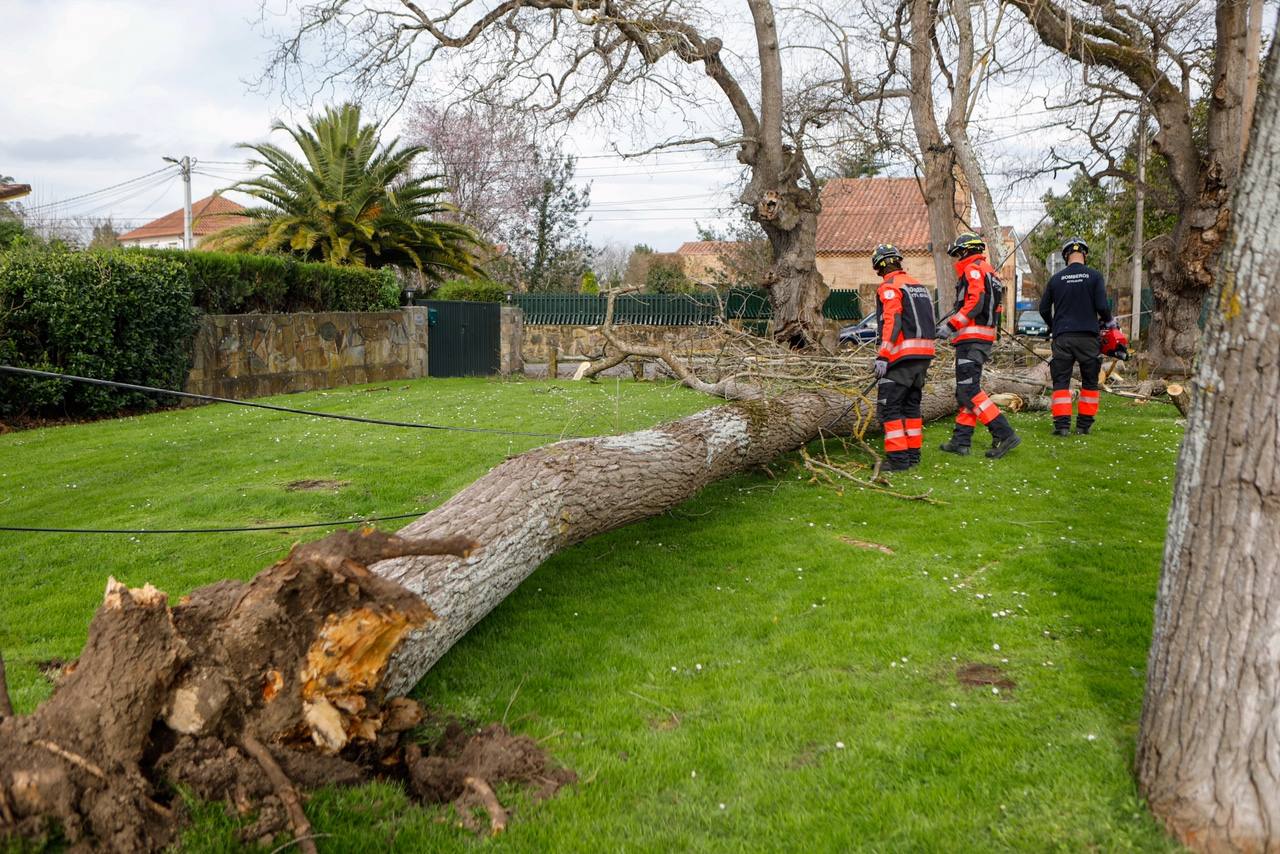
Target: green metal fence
665, 309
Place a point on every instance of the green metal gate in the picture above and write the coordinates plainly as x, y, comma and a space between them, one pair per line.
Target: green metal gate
463, 338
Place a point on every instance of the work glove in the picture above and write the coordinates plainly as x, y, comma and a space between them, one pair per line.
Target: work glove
882, 368
944, 333
1112, 324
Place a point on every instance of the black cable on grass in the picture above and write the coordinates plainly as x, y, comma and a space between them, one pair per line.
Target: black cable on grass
10, 369
334, 524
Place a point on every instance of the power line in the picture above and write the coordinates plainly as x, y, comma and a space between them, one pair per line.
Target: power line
192, 396
60, 202
235, 530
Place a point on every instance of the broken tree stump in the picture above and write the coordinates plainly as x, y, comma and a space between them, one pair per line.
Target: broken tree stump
161, 694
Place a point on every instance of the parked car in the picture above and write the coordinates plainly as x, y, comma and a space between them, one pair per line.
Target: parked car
861, 332
1031, 323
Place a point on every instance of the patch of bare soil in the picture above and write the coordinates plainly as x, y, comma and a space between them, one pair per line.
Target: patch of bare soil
976, 675
317, 485
805, 758
864, 544
464, 765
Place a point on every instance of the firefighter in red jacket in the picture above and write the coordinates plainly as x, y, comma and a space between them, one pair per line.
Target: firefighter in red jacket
904, 312
972, 327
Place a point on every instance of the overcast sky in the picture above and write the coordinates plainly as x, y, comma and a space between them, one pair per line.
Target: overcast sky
96, 92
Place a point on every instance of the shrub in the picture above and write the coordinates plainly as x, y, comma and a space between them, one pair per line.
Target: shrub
241, 283
665, 276
124, 316
471, 290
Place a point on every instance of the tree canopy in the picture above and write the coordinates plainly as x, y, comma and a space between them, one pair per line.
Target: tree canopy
349, 200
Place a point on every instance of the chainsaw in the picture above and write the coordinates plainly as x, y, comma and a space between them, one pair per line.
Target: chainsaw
1115, 345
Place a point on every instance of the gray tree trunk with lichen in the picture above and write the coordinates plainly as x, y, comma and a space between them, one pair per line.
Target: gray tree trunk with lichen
1208, 758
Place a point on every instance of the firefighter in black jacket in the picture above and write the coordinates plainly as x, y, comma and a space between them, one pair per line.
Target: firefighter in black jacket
904, 315
972, 326
1073, 302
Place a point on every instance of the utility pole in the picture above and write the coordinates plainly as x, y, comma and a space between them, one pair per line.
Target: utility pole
1139, 208
185, 165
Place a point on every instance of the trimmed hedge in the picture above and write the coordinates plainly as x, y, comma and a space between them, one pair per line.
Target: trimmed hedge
123, 316
471, 290
237, 283
130, 315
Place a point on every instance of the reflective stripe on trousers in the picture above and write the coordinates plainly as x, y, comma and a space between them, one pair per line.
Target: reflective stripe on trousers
984, 409
895, 436
1062, 403
1088, 402
915, 432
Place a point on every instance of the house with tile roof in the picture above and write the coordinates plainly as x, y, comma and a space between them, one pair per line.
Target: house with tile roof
857, 215
208, 216
706, 260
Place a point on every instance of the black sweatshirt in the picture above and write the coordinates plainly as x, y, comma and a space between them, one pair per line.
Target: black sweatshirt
1074, 300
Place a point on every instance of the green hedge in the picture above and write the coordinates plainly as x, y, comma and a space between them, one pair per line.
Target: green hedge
130, 315
123, 316
471, 290
235, 283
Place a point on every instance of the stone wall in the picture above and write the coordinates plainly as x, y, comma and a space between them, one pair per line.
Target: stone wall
251, 355
511, 336
588, 341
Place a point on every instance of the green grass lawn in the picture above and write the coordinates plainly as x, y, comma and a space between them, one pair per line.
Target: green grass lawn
733, 675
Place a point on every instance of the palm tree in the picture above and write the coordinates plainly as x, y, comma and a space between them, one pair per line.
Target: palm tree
348, 201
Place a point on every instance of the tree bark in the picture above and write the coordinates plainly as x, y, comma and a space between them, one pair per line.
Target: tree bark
1183, 268
938, 160
796, 289
1208, 759
787, 212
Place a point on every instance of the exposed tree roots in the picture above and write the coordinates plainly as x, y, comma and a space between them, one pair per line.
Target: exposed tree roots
244, 693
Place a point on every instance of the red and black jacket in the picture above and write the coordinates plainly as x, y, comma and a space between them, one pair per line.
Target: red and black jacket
905, 314
974, 318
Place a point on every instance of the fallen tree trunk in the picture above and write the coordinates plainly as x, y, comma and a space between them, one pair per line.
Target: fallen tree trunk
528, 508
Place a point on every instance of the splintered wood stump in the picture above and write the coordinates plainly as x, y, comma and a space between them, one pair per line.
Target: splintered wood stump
294, 659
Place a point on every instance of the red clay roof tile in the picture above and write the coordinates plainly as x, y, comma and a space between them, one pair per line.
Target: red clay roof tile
210, 214
860, 213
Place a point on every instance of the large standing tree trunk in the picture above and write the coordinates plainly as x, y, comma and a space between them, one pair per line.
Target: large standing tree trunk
936, 154
1208, 757
787, 212
796, 290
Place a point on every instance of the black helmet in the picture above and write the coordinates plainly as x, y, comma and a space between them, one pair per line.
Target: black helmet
1075, 244
966, 244
885, 254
